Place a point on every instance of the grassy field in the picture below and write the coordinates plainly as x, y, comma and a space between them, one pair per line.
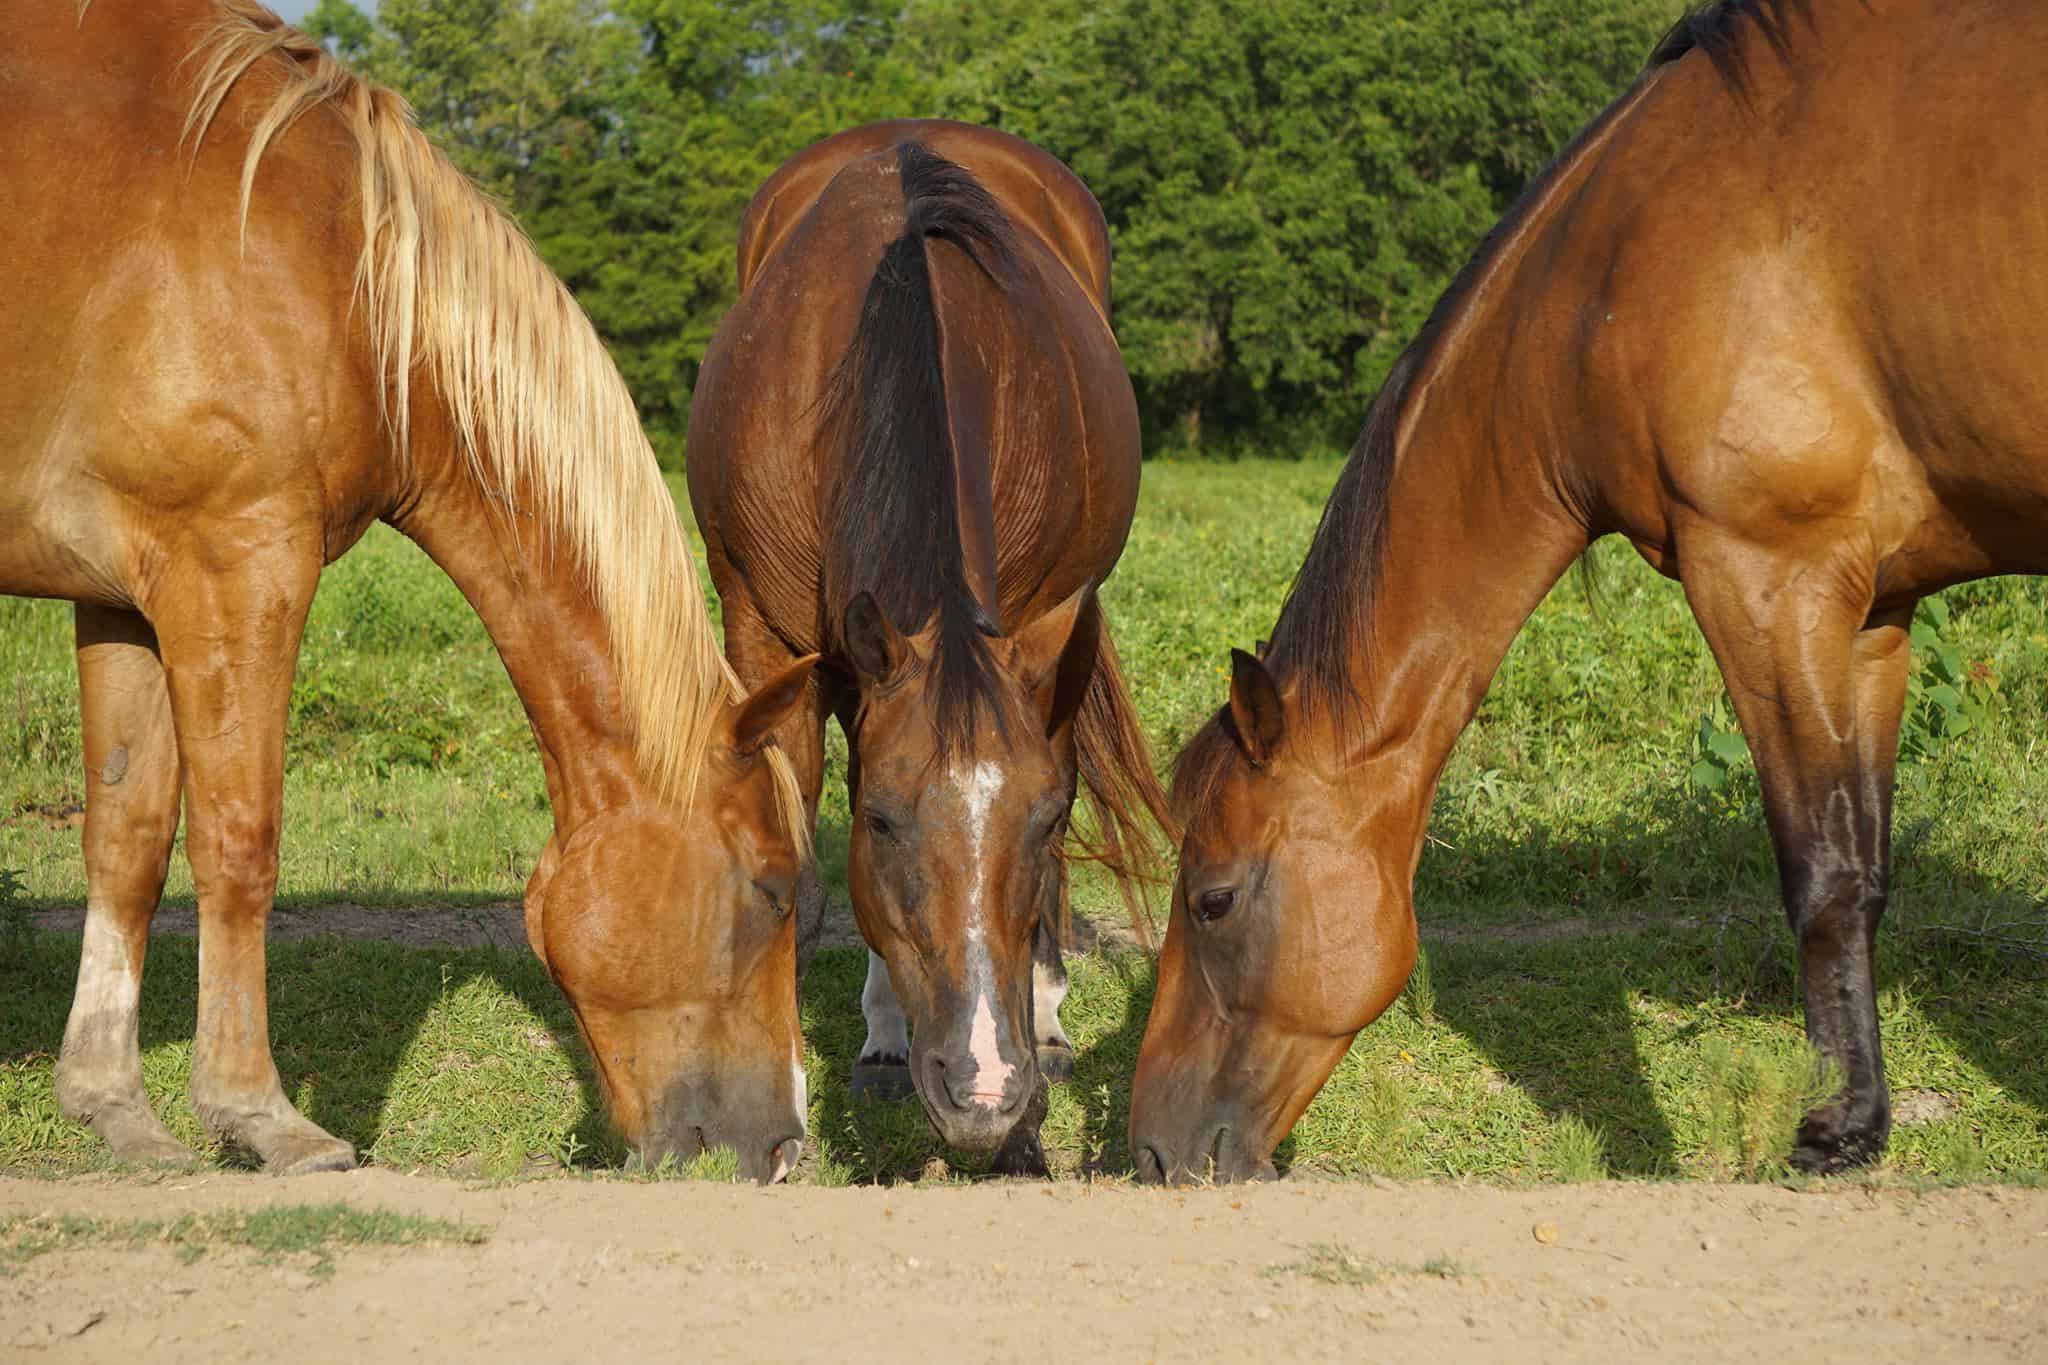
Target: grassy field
1606, 988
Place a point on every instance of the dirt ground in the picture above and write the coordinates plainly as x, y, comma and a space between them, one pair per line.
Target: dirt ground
609, 1270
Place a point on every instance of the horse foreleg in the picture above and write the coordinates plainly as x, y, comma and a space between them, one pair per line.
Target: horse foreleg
883, 1068
228, 641
1819, 685
131, 818
1048, 993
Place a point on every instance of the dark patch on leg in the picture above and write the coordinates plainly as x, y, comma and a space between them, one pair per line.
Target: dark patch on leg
884, 1079
1021, 1153
1056, 1062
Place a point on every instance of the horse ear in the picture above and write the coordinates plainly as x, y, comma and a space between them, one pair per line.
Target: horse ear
769, 705
872, 642
1255, 708
1056, 655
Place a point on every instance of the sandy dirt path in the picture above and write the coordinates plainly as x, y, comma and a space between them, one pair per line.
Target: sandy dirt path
609, 1270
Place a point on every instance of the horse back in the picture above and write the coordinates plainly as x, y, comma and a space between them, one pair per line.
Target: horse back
1815, 306
1036, 189
1043, 421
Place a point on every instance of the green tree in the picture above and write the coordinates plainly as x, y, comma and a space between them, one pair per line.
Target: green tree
1290, 183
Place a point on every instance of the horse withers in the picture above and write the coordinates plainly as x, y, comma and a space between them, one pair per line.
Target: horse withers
1778, 317
249, 310
913, 448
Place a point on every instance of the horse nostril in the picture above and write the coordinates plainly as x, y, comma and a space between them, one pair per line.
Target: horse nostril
784, 1160
1152, 1164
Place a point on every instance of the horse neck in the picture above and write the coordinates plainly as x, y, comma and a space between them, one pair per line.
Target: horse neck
545, 624
1479, 531
1488, 502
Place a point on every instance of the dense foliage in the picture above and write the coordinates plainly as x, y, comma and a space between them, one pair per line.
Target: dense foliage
1290, 182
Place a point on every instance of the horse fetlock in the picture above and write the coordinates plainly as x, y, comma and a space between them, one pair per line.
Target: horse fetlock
882, 1078
1022, 1154
1056, 1059
1843, 1134
110, 1100
266, 1126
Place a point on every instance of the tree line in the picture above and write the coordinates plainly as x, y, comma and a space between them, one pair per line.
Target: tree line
1289, 183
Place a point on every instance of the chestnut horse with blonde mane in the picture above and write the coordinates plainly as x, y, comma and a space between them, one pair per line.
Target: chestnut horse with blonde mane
913, 448
1779, 316
248, 312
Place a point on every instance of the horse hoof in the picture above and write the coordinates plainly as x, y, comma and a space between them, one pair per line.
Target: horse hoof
1828, 1146
885, 1082
1056, 1062
332, 1154
142, 1140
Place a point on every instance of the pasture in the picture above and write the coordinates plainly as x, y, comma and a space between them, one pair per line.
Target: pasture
1606, 987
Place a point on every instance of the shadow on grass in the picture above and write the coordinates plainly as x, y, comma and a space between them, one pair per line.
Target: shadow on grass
345, 1018
1689, 888
1550, 1007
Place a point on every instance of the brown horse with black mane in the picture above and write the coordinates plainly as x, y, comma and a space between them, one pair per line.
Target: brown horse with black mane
913, 448
248, 312
1779, 316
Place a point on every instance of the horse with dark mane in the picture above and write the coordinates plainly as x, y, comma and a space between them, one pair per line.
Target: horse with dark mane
913, 447
249, 311
1778, 316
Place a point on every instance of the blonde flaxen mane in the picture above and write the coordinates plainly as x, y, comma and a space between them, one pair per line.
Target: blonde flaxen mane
454, 293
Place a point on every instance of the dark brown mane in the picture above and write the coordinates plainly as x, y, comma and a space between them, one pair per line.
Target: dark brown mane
1716, 30
895, 515
1327, 617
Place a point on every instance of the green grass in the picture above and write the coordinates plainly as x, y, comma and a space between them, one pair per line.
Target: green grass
1607, 983
1334, 1264
308, 1232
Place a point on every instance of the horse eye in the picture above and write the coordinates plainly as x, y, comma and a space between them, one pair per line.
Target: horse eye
878, 824
1215, 904
778, 891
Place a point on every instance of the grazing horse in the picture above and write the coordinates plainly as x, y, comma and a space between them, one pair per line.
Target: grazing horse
913, 448
1778, 316
249, 311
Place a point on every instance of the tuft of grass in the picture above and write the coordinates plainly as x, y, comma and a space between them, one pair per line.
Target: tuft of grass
1334, 1264
15, 924
715, 1165
314, 1232
1576, 1151
1755, 1098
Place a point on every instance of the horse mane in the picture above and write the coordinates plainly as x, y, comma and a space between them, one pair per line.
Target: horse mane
453, 292
1716, 28
896, 518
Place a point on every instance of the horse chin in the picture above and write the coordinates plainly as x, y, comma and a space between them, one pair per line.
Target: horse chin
762, 1161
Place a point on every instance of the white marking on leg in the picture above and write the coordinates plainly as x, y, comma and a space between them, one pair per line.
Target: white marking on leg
103, 1009
888, 1031
1048, 993
800, 1088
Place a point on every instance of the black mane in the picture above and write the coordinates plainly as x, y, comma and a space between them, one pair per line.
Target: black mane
894, 520
1329, 609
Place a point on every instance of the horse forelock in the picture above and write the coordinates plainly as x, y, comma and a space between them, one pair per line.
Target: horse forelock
453, 291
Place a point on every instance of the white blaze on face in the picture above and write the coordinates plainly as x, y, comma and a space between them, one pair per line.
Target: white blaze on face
991, 1072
